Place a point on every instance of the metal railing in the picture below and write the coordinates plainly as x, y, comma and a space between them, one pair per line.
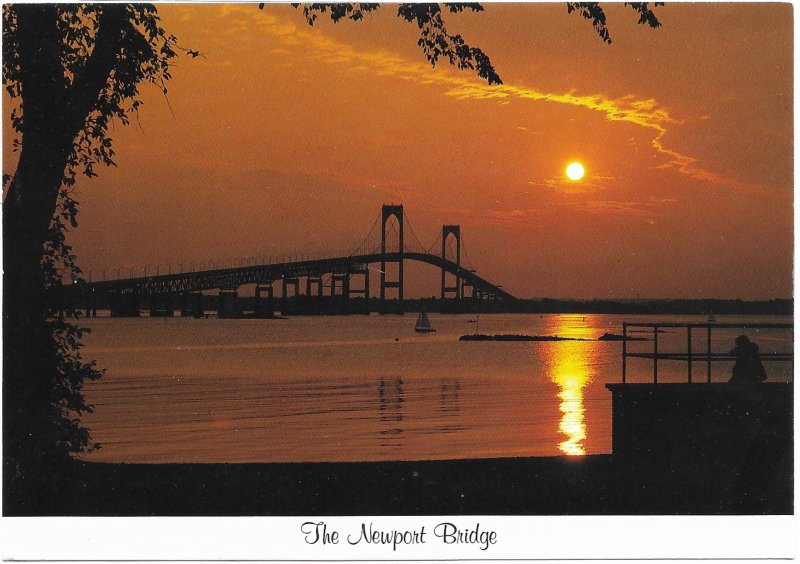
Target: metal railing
689, 356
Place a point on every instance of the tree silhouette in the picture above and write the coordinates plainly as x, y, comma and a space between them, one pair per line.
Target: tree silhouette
73, 70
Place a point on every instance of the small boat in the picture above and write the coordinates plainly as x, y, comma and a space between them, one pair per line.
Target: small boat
423, 324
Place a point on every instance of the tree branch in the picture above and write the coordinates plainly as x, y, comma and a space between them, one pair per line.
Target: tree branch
92, 79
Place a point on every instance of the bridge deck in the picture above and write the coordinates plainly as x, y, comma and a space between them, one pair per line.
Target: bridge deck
267, 273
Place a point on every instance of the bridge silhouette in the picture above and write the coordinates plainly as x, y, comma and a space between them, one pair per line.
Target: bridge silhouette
385, 245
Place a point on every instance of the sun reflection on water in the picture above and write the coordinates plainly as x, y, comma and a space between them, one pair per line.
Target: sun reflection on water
570, 371
571, 379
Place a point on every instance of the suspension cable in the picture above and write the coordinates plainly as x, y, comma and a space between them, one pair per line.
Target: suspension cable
467, 260
420, 246
433, 248
363, 246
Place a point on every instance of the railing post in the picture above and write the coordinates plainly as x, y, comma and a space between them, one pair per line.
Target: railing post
689, 351
655, 354
708, 376
624, 345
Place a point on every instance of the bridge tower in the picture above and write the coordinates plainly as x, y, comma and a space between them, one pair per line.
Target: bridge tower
387, 211
458, 289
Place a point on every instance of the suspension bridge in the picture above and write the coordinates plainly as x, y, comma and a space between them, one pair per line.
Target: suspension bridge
333, 284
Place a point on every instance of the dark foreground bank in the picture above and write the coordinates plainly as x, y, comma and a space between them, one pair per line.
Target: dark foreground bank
590, 485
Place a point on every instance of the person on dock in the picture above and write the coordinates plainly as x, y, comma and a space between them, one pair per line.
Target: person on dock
748, 368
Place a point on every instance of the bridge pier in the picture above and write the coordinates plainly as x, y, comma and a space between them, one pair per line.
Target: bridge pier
310, 302
91, 303
464, 285
285, 283
228, 306
125, 304
365, 290
310, 280
192, 305
340, 301
161, 305
264, 310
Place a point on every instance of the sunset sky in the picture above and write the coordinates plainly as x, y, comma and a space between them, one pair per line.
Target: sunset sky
286, 139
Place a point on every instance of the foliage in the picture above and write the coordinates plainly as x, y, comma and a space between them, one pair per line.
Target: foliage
594, 12
434, 40
92, 97
142, 52
71, 371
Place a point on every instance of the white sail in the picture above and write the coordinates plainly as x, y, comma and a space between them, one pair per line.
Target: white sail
423, 323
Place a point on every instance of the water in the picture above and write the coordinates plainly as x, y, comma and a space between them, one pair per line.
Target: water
368, 387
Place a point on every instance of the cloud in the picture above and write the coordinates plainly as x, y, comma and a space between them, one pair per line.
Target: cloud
563, 185
645, 113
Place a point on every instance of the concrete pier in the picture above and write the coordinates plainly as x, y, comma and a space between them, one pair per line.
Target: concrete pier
702, 421
192, 305
286, 305
161, 305
264, 308
125, 305
229, 307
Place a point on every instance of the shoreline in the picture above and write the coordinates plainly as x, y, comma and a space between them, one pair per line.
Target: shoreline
587, 485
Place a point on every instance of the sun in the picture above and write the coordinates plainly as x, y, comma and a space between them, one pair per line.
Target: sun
575, 171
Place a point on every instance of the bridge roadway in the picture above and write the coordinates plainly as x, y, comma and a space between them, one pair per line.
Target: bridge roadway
232, 278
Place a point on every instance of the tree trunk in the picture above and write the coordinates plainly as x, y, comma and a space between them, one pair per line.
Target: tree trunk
54, 113
31, 451
28, 353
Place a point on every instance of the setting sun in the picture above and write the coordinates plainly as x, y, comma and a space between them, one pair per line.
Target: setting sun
575, 171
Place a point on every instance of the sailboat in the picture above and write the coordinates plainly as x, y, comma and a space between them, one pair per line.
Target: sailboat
423, 324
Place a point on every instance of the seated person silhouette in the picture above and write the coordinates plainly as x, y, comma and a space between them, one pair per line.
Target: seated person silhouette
748, 368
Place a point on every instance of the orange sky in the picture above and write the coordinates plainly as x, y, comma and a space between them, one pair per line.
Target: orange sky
287, 139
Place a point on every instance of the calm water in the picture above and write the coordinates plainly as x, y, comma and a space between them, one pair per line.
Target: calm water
368, 388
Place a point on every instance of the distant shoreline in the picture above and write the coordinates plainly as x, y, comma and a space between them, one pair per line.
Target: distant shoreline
704, 306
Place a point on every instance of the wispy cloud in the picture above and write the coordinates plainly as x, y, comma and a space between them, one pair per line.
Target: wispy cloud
563, 185
644, 113
647, 113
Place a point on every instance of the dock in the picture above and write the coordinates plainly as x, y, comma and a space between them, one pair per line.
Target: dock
747, 429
